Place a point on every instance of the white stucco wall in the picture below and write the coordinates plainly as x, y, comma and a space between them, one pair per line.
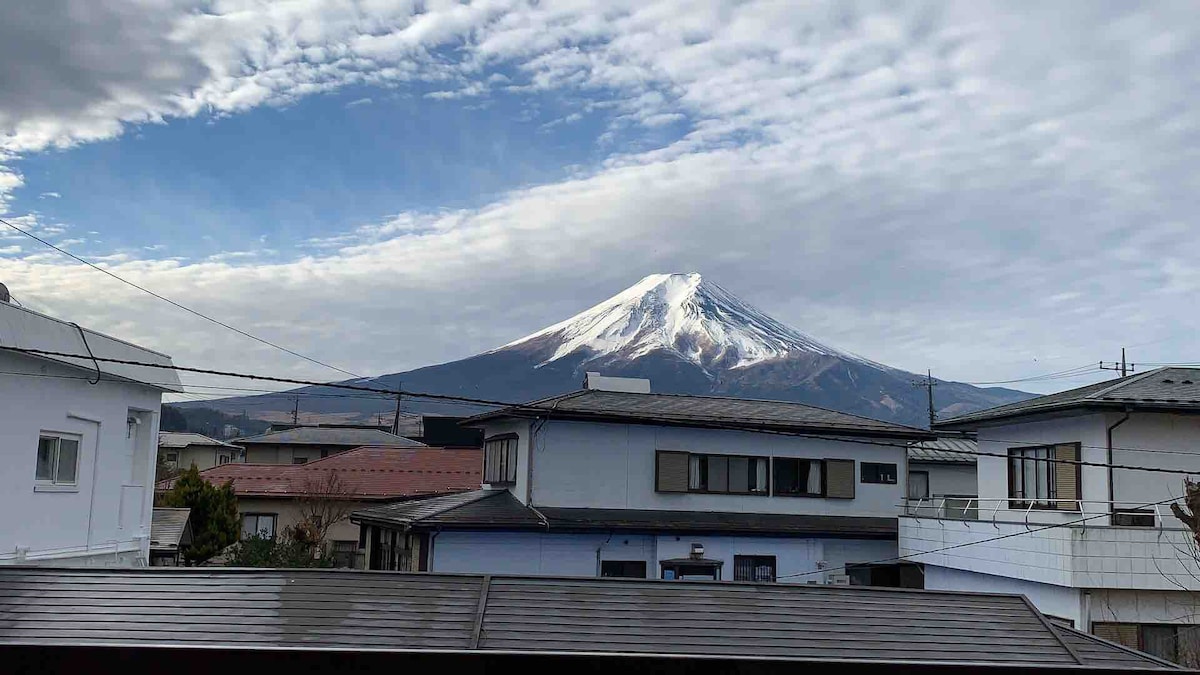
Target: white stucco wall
599, 465
202, 456
576, 554
105, 520
1177, 435
948, 479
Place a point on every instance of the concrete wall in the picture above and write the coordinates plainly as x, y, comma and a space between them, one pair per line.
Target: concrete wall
576, 554
105, 518
588, 464
288, 515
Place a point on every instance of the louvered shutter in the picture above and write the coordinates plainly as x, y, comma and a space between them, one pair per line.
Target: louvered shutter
1066, 476
1120, 633
839, 478
672, 472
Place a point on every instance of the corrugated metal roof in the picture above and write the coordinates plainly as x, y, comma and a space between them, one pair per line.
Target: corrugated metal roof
500, 509
947, 450
1096, 651
357, 611
27, 329
167, 527
1161, 388
362, 473
182, 439
329, 436
703, 411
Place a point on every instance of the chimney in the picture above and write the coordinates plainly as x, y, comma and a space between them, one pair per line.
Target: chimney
628, 385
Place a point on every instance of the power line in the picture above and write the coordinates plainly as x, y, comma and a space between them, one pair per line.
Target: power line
1061, 374
972, 543
176, 304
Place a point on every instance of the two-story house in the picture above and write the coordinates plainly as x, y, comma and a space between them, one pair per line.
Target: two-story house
300, 444
77, 438
182, 450
1068, 515
627, 483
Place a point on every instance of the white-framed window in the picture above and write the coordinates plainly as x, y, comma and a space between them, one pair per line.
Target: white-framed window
262, 524
171, 458
57, 460
500, 460
223, 459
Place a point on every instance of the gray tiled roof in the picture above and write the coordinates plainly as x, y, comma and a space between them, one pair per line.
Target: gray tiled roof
946, 450
1162, 388
359, 611
330, 436
167, 526
704, 411
182, 439
498, 509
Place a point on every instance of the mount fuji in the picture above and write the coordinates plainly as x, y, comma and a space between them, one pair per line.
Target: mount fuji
688, 336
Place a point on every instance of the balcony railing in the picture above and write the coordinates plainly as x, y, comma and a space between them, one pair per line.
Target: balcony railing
1003, 509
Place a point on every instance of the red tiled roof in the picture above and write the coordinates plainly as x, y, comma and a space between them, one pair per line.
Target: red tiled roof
365, 473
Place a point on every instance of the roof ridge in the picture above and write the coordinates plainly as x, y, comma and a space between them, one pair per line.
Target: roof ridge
1123, 382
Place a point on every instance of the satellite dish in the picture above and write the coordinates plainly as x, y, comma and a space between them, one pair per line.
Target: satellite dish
4, 296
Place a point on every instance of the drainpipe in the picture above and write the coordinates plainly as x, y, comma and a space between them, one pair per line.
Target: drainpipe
600, 548
1109, 437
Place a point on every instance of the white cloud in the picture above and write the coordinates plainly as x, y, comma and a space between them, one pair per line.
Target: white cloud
931, 186
49, 195
359, 102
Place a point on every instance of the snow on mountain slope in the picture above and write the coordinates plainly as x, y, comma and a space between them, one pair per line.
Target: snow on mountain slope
683, 314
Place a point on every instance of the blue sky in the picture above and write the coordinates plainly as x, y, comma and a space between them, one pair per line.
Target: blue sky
984, 190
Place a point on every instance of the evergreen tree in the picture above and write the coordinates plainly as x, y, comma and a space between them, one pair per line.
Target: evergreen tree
214, 517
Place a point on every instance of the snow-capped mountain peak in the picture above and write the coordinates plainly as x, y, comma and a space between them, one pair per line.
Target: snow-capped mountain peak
681, 313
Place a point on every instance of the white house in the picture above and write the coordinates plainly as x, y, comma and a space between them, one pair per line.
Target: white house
941, 473
181, 450
78, 453
634, 484
1120, 565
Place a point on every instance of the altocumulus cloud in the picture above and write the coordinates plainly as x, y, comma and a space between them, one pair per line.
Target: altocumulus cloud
960, 186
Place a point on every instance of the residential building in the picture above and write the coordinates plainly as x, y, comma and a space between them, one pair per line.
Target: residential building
273, 498
621, 483
77, 438
941, 474
319, 621
181, 450
170, 531
300, 444
1066, 515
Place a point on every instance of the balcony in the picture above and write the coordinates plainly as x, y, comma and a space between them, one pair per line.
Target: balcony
992, 538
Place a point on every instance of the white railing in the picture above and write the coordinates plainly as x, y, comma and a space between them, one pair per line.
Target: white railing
1090, 511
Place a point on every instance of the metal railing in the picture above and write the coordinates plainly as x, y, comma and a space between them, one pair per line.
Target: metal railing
965, 507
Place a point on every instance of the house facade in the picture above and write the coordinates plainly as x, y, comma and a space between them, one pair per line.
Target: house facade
941, 474
632, 484
78, 442
181, 450
1093, 539
273, 498
301, 444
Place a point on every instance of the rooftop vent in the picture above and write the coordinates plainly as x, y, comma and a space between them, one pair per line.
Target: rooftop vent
1187, 382
628, 385
1168, 381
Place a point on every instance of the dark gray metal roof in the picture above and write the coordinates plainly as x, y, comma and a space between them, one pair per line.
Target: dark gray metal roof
945, 450
1101, 652
498, 509
330, 436
1158, 389
168, 526
363, 611
703, 411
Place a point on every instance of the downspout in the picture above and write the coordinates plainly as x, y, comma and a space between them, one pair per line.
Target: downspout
598, 549
1109, 438
429, 554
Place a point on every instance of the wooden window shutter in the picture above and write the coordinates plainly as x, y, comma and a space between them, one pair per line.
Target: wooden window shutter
1066, 476
839, 478
671, 472
1120, 633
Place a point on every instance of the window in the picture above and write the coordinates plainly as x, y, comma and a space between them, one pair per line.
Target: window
299, 460
873, 472
345, 553
1030, 478
702, 570
57, 460
500, 460
726, 474
754, 568
626, 569
918, 485
1173, 642
172, 458
799, 477
1133, 518
223, 459
262, 524
894, 575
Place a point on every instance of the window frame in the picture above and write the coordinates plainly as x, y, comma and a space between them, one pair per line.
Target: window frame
774, 565
259, 514
53, 484
508, 465
752, 459
1023, 501
809, 495
909, 483
862, 473
171, 457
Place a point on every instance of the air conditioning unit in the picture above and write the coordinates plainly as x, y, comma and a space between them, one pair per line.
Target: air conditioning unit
839, 579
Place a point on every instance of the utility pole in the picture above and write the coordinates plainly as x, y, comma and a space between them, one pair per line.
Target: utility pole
1123, 366
295, 410
399, 397
928, 383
